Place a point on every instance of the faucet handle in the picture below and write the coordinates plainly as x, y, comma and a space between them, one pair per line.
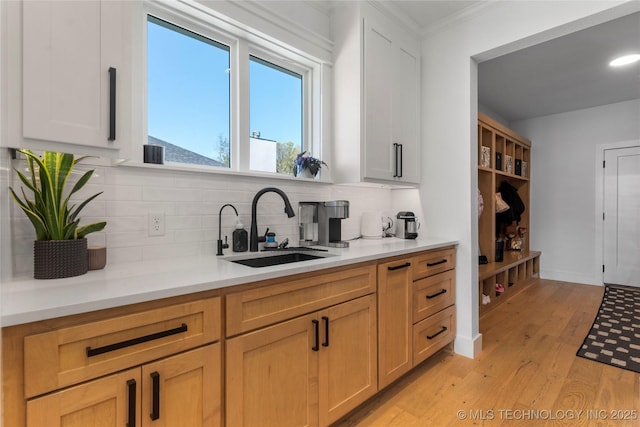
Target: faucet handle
225, 245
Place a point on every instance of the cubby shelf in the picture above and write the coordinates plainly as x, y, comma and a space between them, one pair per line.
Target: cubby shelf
514, 273
503, 155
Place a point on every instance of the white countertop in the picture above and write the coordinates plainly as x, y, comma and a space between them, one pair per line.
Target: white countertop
30, 300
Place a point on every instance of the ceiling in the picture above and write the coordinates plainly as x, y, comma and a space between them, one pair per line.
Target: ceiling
563, 74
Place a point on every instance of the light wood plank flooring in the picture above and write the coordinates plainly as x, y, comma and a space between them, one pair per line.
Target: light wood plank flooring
528, 373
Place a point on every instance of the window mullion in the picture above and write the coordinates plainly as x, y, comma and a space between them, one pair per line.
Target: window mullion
241, 105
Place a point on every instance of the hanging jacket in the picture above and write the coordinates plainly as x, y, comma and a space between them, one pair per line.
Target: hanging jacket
510, 195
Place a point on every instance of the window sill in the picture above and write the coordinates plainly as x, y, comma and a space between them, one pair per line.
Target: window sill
220, 171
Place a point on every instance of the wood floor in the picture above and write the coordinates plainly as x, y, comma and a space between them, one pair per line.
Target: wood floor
528, 373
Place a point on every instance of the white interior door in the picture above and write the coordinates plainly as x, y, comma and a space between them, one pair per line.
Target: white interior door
622, 216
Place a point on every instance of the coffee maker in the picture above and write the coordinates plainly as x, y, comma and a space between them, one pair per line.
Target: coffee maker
406, 225
330, 215
308, 223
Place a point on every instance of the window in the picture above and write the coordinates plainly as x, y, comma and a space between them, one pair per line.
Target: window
188, 95
276, 117
226, 102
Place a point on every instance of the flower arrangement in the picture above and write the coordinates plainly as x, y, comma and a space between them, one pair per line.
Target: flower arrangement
305, 161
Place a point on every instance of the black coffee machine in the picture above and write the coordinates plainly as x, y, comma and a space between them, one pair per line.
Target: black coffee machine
330, 216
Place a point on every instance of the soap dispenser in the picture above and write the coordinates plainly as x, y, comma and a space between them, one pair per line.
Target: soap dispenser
240, 238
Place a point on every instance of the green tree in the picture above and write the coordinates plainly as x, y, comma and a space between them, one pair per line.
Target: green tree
286, 156
224, 153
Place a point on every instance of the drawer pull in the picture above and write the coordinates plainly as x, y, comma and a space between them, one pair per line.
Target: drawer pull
398, 267
440, 292
155, 396
326, 331
131, 417
316, 347
432, 264
430, 337
128, 343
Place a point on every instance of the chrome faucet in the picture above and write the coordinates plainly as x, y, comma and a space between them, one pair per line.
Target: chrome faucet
253, 238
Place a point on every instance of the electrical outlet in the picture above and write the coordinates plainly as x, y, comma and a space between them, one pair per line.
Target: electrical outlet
156, 224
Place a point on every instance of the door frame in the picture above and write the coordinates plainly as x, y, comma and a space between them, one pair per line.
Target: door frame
599, 201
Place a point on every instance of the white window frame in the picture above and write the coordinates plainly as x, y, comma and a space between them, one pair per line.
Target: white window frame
242, 44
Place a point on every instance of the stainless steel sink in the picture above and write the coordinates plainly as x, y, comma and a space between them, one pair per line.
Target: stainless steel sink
277, 257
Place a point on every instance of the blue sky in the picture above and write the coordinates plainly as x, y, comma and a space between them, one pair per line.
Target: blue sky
188, 94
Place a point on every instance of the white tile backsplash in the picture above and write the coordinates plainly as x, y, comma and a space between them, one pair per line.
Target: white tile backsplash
190, 202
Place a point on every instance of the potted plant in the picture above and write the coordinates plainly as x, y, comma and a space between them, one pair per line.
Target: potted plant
60, 248
307, 166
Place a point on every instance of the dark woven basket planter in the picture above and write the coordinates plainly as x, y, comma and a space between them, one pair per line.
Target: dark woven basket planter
55, 259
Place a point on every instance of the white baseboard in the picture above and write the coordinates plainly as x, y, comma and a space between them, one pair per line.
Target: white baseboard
468, 347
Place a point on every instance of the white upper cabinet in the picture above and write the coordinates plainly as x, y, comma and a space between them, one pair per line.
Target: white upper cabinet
75, 75
376, 99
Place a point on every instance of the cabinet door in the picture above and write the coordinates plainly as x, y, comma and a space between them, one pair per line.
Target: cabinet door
394, 320
348, 357
379, 151
112, 401
183, 390
391, 105
272, 375
406, 107
68, 48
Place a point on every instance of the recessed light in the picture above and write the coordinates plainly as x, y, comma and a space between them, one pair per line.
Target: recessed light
625, 60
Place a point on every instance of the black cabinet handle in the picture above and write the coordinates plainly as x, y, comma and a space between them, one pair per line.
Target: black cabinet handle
128, 343
431, 264
400, 174
440, 292
430, 337
131, 417
112, 104
398, 267
316, 347
395, 160
326, 331
155, 396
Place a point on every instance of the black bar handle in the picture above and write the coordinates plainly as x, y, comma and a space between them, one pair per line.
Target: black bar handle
326, 331
128, 343
316, 347
155, 396
430, 337
398, 267
395, 160
440, 292
112, 104
400, 174
131, 417
432, 264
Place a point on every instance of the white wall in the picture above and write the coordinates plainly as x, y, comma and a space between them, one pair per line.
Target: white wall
566, 152
191, 202
449, 100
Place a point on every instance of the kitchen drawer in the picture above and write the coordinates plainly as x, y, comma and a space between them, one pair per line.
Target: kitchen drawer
432, 294
280, 299
433, 262
433, 333
71, 355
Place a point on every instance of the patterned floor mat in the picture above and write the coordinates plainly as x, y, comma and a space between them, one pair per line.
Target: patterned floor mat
614, 338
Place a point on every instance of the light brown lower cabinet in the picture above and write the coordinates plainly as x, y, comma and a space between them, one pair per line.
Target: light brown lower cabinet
181, 390
307, 371
395, 280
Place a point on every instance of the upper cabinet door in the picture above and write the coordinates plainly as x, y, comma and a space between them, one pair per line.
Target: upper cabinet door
75, 71
379, 151
391, 104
